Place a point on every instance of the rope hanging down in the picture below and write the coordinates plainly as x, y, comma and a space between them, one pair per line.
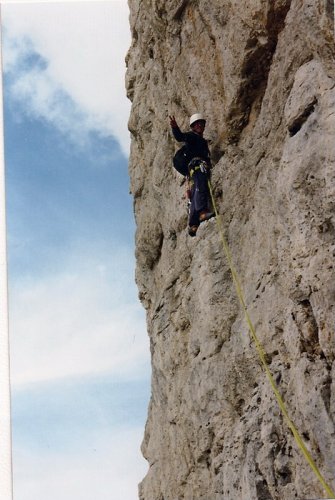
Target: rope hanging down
262, 356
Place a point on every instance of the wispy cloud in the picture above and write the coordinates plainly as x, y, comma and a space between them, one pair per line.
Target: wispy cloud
85, 320
107, 467
75, 78
68, 413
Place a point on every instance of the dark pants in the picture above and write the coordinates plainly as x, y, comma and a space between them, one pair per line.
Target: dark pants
199, 197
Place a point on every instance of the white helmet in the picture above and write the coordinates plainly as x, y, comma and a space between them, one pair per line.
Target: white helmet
196, 117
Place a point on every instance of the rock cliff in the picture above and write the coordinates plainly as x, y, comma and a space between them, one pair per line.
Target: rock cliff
263, 73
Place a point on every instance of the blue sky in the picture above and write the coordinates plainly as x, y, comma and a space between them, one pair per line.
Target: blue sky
79, 349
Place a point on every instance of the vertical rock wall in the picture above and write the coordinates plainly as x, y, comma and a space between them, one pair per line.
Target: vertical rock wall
263, 73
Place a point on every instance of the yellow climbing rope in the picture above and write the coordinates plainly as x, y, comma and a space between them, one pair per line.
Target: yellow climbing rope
261, 353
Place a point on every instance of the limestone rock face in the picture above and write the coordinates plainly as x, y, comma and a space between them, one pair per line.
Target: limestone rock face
263, 73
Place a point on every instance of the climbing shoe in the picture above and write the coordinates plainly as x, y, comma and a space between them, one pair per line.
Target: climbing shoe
206, 216
192, 230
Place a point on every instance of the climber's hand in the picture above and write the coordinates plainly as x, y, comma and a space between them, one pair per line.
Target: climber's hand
173, 122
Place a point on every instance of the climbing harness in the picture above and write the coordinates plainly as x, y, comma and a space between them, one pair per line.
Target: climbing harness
197, 164
262, 354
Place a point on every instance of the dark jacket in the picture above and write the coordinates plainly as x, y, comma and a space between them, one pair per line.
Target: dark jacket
197, 145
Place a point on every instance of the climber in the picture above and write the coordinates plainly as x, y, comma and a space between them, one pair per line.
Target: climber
199, 166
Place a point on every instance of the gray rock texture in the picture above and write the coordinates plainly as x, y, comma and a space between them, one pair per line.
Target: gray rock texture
263, 73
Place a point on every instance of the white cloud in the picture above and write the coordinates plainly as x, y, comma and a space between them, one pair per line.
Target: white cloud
84, 46
109, 467
83, 321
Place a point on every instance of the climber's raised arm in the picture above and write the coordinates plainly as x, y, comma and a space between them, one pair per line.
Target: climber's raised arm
177, 133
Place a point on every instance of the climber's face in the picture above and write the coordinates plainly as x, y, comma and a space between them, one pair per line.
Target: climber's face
199, 127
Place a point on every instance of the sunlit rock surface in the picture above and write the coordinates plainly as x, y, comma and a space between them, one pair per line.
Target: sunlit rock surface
263, 74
